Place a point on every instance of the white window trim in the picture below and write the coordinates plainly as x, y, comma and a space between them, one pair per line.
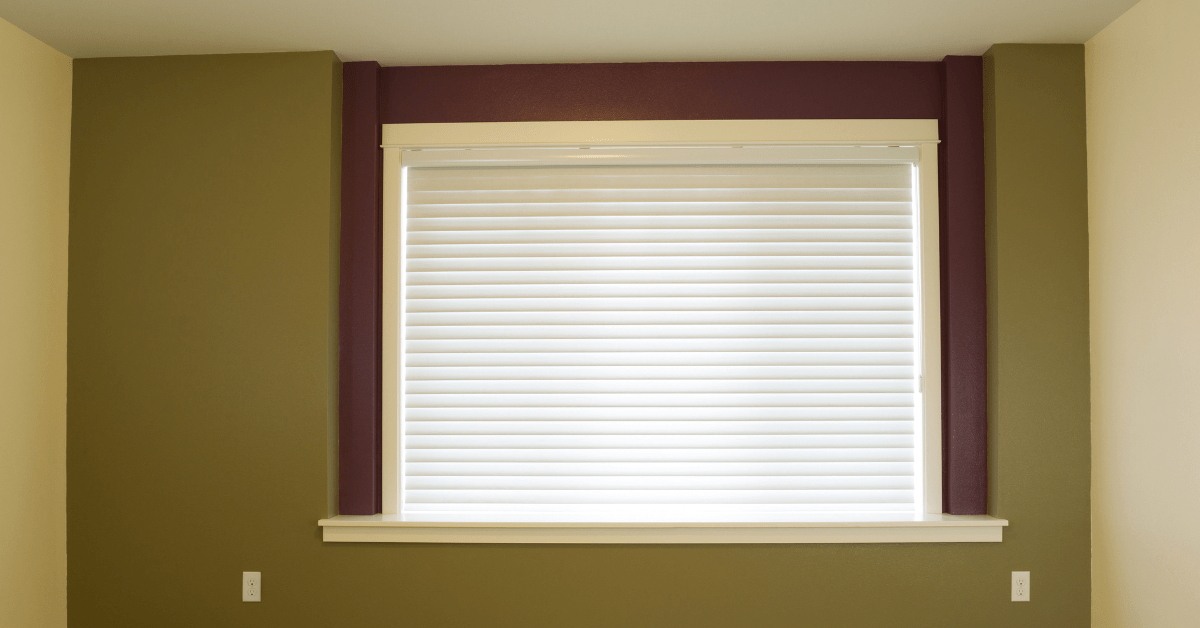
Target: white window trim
926, 529
932, 527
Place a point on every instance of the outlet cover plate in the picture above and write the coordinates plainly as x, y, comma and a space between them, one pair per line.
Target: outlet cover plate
1020, 586
251, 586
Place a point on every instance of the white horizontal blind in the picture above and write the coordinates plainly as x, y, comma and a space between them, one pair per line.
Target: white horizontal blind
646, 343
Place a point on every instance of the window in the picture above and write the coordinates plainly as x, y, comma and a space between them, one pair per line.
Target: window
712, 328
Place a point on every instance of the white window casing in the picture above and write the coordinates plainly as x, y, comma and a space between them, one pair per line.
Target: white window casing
688, 331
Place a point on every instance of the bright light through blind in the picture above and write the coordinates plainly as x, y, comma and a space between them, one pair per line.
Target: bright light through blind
731, 343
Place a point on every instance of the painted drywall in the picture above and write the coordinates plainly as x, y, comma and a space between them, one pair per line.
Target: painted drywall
35, 144
1143, 80
202, 336
201, 382
1037, 292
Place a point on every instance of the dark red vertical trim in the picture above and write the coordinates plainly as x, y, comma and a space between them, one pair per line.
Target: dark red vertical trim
964, 292
359, 294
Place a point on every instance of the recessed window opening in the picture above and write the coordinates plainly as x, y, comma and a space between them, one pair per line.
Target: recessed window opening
707, 334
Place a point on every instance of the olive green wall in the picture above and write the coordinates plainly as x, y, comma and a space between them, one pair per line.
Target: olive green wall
1038, 356
200, 389
200, 333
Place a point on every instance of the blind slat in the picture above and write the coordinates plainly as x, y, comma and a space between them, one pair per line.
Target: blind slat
810, 207
652, 385
629, 345
663, 317
642, 373
670, 224
648, 289
449, 277
558, 400
665, 358
661, 413
651, 461
618, 426
484, 304
662, 482
829, 252
655, 236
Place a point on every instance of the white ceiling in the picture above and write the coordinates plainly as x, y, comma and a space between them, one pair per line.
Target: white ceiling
447, 32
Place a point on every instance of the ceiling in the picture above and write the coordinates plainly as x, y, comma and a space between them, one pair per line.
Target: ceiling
452, 32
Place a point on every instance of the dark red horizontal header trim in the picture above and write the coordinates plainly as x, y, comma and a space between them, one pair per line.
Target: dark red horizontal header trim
661, 91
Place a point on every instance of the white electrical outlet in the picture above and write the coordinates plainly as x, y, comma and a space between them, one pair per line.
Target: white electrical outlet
1020, 586
251, 586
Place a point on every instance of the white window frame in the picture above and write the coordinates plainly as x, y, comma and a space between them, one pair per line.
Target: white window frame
932, 526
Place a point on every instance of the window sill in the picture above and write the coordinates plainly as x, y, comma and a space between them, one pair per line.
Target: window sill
927, 529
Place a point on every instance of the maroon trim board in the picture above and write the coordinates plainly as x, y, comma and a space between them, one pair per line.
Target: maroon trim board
661, 91
964, 293
950, 91
359, 295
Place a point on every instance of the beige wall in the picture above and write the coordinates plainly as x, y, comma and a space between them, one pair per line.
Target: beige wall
35, 129
1143, 78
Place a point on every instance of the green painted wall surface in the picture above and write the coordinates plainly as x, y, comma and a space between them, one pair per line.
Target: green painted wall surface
199, 331
1038, 351
200, 391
